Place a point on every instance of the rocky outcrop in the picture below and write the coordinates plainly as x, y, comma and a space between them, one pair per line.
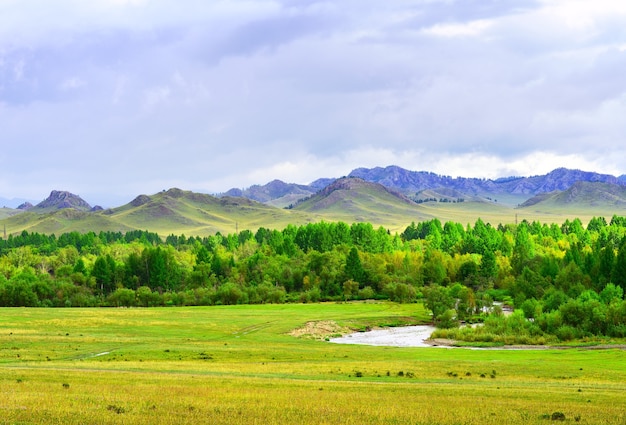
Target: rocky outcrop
61, 200
25, 206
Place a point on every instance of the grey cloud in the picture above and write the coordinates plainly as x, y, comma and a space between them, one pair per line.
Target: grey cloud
266, 35
213, 97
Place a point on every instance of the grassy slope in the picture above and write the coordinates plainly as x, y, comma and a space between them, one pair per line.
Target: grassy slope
8, 212
365, 202
181, 212
238, 364
62, 221
583, 200
169, 212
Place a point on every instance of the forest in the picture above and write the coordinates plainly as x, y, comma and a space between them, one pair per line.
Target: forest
564, 282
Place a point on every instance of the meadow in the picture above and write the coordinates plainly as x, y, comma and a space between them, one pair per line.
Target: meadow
243, 365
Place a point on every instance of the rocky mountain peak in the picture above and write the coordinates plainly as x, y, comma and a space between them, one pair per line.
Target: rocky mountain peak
59, 199
25, 206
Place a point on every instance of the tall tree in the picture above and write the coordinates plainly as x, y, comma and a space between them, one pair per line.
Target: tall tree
354, 268
523, 250
619, 270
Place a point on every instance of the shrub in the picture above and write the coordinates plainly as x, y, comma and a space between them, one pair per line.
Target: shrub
122, 297
566, 333
447, 319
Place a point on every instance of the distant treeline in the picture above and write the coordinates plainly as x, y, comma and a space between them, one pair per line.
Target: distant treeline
567, 279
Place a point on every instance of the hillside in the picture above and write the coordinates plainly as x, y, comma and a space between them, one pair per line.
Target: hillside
355, 200
179, 211
444, 194
582, 196
169, 212
8, 212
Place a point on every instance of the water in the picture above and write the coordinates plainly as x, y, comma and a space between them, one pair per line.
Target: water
406, 336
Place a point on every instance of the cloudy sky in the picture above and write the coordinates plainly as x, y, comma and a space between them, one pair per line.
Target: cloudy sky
109, 99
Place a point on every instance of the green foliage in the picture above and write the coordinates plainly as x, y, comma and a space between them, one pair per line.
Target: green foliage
567, 281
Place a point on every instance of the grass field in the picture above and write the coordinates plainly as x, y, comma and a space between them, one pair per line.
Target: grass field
241, 365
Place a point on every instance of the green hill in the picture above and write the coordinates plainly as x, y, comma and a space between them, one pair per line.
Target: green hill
170, 212
177, 211
8, 212
355, 200
349, 200
582, 197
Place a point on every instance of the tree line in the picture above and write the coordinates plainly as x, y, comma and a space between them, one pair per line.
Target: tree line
552, 274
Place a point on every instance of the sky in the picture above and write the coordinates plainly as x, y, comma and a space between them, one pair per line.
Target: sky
109, 99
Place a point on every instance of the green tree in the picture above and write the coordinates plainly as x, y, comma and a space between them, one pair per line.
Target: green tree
611, 293
488, 265
619, 269
103, 274
523, 251
434, 269
354, 268
437, 300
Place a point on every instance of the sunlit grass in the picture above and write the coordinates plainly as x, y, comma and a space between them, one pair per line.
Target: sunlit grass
239, 364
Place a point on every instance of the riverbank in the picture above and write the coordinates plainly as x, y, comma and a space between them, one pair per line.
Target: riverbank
420, 336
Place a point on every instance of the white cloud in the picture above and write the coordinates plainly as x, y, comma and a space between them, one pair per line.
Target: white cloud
534, 163
471, 29
155, 96
584, 14
72, 83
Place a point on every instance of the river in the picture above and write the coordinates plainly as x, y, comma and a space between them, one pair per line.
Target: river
405, 336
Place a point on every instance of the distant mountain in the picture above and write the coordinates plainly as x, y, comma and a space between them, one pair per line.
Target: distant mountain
446, 195
61, 200
582, 195
388, 202
510, 191
25, 206
12, 203
320, 184
276, 193
559, 179
415, 181
353, 199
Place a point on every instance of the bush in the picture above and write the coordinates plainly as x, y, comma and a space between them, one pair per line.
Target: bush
147, 298
230, 294
122, 297
566, 333
558, 416
447, 320
366, 293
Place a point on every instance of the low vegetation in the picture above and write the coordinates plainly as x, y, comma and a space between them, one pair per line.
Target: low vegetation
240, 365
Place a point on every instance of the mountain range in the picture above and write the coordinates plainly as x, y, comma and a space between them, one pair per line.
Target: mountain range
392, 197
512, 190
